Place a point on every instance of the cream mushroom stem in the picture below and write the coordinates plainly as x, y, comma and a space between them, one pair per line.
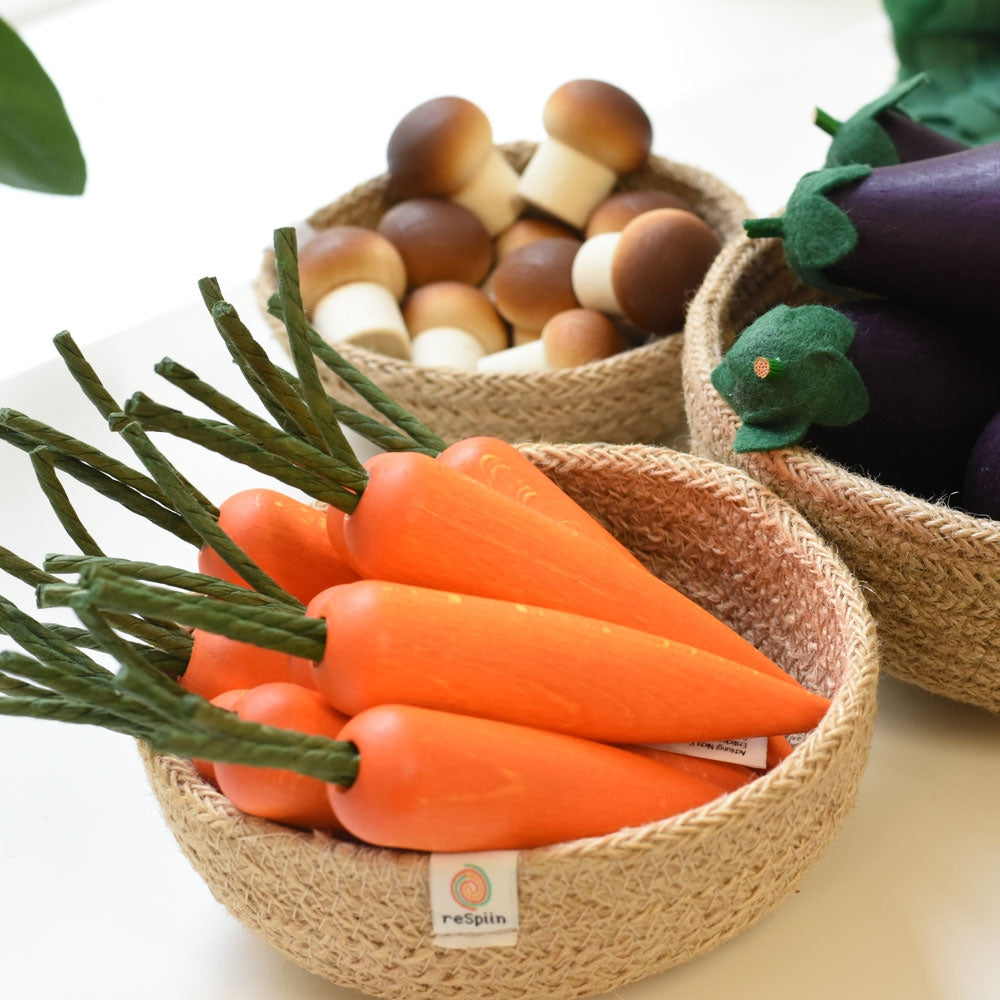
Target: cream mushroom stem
491, 193
572, 337
365, 314
565, 182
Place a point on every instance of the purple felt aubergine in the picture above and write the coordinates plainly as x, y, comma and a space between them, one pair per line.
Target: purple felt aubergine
924, 233
981, 492
930, 391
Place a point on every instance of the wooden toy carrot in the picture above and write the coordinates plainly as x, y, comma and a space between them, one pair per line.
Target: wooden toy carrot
435, 781
727, 774
419, 521
218, 663
276, 793
501, 466
284, 536
397, 643
226, 700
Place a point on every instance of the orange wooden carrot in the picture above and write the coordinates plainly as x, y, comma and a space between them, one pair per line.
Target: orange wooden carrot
288, 539
217, 663
420, 521
501, 466
226, 700
727, 774
276, 793
398, 643
434, 781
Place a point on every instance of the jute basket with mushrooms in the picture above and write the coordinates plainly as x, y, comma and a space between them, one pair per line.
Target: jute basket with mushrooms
470, 272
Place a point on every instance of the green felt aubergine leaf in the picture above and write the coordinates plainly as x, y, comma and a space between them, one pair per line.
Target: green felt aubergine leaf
39, 150
863, 137
787, 371
816, 233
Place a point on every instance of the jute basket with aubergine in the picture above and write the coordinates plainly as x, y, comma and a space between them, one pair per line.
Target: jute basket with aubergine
930, 572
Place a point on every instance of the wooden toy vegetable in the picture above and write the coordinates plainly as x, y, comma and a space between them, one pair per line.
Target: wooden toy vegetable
925, 233
469, 784
275, 793
389, 643
421, 522
218, 664
268, 526
502, 467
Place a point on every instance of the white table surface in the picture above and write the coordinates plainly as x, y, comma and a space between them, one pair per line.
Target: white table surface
206, 125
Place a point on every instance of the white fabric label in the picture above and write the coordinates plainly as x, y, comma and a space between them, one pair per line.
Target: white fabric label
474, 899
751, 752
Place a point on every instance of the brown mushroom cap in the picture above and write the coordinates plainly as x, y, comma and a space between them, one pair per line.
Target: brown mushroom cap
438, 240
661, 259
455, 304
438, 146
527, 230
619, 209
579, 336
343, 254
601, 121
533, 283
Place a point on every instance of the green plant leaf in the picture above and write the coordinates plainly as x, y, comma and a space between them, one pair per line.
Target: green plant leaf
39, 149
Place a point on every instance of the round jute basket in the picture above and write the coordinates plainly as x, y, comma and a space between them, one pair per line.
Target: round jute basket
931, 574
595, 914
634, 396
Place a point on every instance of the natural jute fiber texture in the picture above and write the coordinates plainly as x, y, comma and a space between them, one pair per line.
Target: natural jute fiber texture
634, 396
597, 913
931, 574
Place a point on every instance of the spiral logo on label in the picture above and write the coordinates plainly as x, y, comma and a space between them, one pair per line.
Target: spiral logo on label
470, 887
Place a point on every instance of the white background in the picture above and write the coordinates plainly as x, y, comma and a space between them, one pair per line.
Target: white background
206, 125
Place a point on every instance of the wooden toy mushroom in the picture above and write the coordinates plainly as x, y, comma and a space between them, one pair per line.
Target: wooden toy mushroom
648, 271
438, 240
595, 133
452, 325
533, 283
352, 280
572, 337
444, 148
617, 210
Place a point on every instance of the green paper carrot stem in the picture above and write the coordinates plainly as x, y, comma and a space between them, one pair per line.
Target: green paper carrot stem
425, 438
240, 447
108, 487
269, 627
202, 517
290, 299
23, 570
84, 375
166, 637
172, 576
166, 662
45, 474
272, 438
267, 382
83, 452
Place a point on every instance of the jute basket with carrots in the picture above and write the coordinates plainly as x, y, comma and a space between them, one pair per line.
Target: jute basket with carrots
632, 396
604, 911
929, 571
500, 655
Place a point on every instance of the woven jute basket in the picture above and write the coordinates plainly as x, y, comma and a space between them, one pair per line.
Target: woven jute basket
634, 396
930, 573
595, 914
